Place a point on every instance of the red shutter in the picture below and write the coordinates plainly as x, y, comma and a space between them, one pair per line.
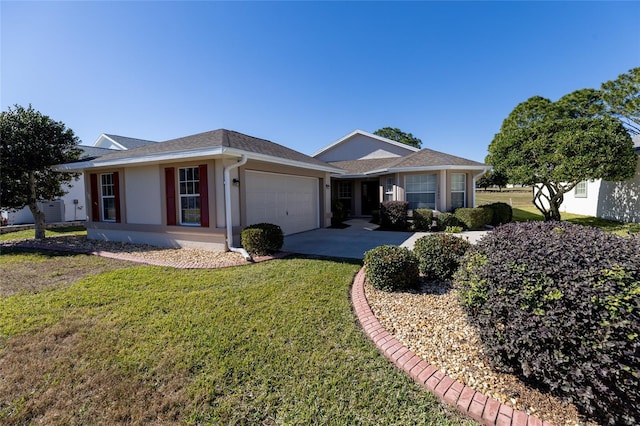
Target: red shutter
116, 195
204, 196
95, 201
170, 193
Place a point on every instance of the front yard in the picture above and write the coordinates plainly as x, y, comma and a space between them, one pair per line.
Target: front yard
270, 343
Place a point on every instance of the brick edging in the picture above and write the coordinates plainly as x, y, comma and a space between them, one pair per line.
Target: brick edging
476, 405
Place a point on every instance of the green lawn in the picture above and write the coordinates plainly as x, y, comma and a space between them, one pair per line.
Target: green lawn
30, 233
524, 210
270, 343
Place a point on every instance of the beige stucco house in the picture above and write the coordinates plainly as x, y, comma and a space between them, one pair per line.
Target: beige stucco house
376, 169
202, 190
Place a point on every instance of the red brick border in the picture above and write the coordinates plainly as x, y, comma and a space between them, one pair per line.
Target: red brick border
487, 411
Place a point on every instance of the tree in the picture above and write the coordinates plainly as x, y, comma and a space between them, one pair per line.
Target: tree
493, 178
555, 146
622, 98
398, 135
30, 144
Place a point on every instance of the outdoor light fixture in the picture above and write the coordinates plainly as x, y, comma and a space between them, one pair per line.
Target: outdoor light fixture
236, 181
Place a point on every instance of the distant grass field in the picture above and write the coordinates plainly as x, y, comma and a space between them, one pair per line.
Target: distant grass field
520, 199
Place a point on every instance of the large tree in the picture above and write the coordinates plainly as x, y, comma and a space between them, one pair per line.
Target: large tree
398, 135
622, 98
30, 144
555, 146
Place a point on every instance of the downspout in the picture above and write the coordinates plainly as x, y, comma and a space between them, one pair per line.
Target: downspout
227, 207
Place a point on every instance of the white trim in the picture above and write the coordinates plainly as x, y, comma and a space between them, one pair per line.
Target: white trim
192, 154
121, 147
367, 134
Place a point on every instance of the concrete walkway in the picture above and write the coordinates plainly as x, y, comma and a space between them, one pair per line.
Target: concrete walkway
352, 242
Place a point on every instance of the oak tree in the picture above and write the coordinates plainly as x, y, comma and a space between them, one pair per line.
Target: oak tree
398, 135
30, 144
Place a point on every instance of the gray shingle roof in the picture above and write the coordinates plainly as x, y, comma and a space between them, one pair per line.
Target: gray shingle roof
129, 143
90, 152
213, 139
423, 158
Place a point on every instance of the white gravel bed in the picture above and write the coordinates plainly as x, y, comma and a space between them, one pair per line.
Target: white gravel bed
432, 324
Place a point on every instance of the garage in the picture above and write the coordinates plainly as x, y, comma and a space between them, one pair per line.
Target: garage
289, 201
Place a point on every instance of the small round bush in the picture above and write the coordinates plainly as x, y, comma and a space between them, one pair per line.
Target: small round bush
391, 268
501, 213
422, 219
474, 218
447, 219
559, 305
393, 214
439, 255
262, 238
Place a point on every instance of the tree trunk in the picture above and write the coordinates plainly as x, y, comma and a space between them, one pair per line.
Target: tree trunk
39, 220
38, 215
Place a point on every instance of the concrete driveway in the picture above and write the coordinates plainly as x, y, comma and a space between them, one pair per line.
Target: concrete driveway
354, 241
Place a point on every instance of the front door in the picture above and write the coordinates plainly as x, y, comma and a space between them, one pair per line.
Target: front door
370, 197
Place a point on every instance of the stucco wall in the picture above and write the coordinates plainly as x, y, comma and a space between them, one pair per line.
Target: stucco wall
143, 194
359, 147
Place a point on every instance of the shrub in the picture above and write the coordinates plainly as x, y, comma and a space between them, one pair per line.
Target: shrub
391, 268
393, 214
422, 219
262, 238
439, 255
559, 305
447, 219
474, 218
453, 229
501, 213
338, 213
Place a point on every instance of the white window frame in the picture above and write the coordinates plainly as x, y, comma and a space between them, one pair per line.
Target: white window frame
389, 183
455, 190
345, 190
426, 184
107, 194
189, 193
580, 191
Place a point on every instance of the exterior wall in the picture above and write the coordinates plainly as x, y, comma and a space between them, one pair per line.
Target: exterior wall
588, 205
359, 147
143, 189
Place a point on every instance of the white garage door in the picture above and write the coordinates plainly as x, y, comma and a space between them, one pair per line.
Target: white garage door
288, 201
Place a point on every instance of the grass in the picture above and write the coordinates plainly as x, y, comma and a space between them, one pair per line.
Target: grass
270, 343
524, 210
30, 233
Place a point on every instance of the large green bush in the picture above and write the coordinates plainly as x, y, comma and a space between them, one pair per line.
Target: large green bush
391, 268
393, 214
474, 218
559, 305
439, 255
422, 219
501, 213
262, 238
443, 220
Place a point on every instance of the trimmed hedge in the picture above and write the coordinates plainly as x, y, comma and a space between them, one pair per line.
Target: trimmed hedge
501, 213
474, 218
559, 305
262, 238
439, 255
393, 214
422, 219
443, 220
391, 268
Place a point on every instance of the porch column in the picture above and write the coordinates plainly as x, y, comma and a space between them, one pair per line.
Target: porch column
442, 178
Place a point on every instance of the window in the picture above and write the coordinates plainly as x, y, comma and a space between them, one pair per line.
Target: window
189, 192
581, 190
388, 189
458, 190
108, 197
421, 191
344, 190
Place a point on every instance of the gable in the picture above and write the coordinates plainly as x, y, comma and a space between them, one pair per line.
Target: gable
360, 145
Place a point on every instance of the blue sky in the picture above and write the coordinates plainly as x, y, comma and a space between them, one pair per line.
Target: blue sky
304, 74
